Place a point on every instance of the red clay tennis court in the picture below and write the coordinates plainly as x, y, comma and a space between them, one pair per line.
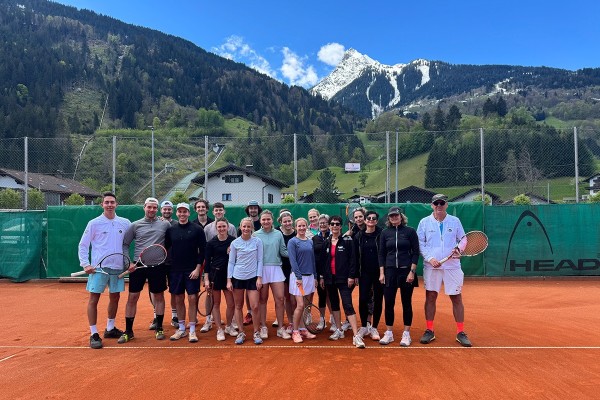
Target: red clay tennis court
533, 339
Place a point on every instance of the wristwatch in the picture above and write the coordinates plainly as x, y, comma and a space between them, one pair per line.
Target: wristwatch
414, 271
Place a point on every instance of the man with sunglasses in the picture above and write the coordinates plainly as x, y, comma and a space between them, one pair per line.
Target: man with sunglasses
438, 235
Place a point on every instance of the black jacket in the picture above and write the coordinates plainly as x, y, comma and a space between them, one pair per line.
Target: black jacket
363, 262
398, 247
345, 261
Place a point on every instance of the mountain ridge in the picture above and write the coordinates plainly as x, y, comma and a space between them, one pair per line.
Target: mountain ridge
370, 88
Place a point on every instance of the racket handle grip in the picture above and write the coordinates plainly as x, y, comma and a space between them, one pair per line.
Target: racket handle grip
78, 273
443, 260
122, 274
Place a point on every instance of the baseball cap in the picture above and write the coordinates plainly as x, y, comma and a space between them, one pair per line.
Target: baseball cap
394, 211
151, 200
166, 203
439, 197
253, 203
183, 205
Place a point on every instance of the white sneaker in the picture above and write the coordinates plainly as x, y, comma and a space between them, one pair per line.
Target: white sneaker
346, 325
231, 331
220, 335
406, 340
281, 332
358, 342
289, 329
178, 334
362, 332
375, 334
338, 334
207, 326
275, 324
193, 338
321, 325
264, 332
388, 337
234, 325
369, 327
333, 327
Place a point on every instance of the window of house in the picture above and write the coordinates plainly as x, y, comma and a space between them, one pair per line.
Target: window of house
270, 198
226, 197
234, 178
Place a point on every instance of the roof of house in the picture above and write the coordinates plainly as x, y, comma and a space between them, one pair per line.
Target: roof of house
49, 183
537, 197
410, 194
234, 168
495, 198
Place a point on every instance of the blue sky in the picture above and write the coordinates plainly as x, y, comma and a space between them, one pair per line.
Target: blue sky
301, 42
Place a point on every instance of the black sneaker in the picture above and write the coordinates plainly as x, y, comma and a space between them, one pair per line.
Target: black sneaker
463, 339
114, 333
152, 325
428, 336
125, 337
175, 322
95, 341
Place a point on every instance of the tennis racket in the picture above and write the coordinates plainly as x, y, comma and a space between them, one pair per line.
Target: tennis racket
206, 301
151, 256
311, 315
119, 260
474, 242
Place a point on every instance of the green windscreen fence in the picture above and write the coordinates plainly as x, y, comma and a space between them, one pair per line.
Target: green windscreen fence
21, 239
543, 240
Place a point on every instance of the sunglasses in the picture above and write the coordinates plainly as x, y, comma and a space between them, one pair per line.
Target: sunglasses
439, 203
371, 218
335, 224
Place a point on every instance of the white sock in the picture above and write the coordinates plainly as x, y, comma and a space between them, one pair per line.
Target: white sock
192, 327
182, 325
93, 329
173, 313
110, 324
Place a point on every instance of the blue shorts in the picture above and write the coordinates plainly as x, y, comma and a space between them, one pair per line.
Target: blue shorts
97, 282
180, 283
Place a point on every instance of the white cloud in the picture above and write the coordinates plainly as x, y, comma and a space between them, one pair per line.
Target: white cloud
236, 49
294, 70
331, 53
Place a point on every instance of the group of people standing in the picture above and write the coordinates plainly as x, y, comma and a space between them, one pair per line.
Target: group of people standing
291, 261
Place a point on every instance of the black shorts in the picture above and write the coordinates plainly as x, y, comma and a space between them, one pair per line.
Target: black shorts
247, 284
180, 283
156, 277
218, 278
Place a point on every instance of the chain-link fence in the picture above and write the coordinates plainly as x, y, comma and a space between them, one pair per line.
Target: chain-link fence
547, 164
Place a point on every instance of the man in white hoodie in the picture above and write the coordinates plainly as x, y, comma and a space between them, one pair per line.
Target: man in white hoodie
105, 236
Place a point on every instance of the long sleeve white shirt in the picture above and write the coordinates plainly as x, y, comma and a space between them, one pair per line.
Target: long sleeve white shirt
105, 237
438, 239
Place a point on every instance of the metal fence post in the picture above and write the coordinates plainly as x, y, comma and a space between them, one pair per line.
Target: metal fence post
387, 166
26, 169
576, 165
482, 165
295, 169
114, 165
205, 194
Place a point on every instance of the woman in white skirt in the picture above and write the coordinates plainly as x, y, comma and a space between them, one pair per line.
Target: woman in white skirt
302, 258
272, 274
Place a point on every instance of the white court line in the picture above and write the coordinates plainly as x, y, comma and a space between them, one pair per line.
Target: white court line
7, 358
251, 346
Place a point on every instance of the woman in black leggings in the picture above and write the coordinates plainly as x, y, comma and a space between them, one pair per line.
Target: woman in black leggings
339, 276
370, 290
398, 257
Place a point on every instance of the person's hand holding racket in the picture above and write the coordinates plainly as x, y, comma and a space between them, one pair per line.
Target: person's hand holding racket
472, 244
151, 256
119, 260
